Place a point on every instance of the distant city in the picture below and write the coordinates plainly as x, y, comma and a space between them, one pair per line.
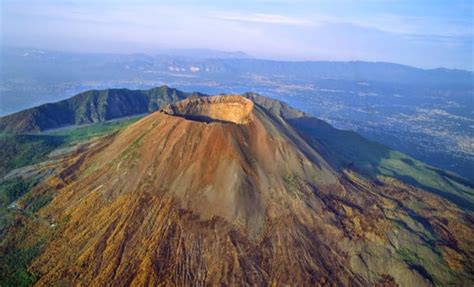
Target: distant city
428, 114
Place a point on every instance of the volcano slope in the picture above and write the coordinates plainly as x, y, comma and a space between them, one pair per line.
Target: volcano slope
225, 190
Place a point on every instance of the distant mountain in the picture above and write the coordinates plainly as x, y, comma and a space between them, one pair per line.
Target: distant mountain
50, 66
98, 106
91, 107
240, 190
204, 54
350, 71
424, 113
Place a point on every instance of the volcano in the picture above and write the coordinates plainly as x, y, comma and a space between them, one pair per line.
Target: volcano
229, 190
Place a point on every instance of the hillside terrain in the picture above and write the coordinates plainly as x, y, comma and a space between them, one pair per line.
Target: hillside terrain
237, 189
425, 113
90, 107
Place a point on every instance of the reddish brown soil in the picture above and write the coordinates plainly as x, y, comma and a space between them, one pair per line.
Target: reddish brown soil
175, 201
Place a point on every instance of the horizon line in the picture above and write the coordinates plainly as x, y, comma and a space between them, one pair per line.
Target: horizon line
168, 52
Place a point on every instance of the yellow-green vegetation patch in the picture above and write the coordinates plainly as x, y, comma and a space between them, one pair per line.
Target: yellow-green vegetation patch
428, 263
12, 189
26, 149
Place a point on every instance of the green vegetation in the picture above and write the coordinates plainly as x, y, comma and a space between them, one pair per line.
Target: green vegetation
22, 238
130, 153
80, 133
91, 107
38, 202
291, 181
22, 150
293, 184
11, 190
14, 264
398, 165
428, 264
14, 229
27, 149
15, 225
90, 169
347, 149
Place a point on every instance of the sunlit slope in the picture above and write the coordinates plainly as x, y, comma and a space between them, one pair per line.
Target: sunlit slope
173, 199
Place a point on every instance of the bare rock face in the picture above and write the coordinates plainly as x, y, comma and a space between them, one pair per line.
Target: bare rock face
243, 199
232, 109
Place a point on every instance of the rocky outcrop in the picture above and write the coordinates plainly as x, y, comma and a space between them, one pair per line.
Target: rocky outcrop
233, 109
177, 201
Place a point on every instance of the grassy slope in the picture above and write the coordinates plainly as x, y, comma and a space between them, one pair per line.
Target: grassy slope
26, 149
350, 150
18, 245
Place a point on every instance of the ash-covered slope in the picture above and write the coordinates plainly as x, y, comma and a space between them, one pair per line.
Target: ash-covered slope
192, 195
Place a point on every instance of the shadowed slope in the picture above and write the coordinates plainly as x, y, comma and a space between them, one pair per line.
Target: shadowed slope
349, 149
175, 201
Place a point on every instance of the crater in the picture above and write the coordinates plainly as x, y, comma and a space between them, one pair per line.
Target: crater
227, 109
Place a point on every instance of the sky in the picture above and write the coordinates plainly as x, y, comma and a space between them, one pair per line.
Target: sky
420, 33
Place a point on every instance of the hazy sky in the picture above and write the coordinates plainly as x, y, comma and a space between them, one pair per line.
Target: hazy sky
423, 33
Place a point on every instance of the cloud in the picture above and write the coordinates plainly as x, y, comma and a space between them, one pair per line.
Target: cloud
271, 31
261, 18
409, 25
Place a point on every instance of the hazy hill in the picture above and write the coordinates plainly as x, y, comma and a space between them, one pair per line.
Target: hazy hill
50, 67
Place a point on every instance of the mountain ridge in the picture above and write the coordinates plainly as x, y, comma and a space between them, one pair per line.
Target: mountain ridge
98, 106
177, 200
369, 158
91, 107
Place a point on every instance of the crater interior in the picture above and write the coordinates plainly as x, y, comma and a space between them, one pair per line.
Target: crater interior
230, 109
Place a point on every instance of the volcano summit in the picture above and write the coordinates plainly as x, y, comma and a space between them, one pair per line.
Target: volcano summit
244, 190
232, 109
